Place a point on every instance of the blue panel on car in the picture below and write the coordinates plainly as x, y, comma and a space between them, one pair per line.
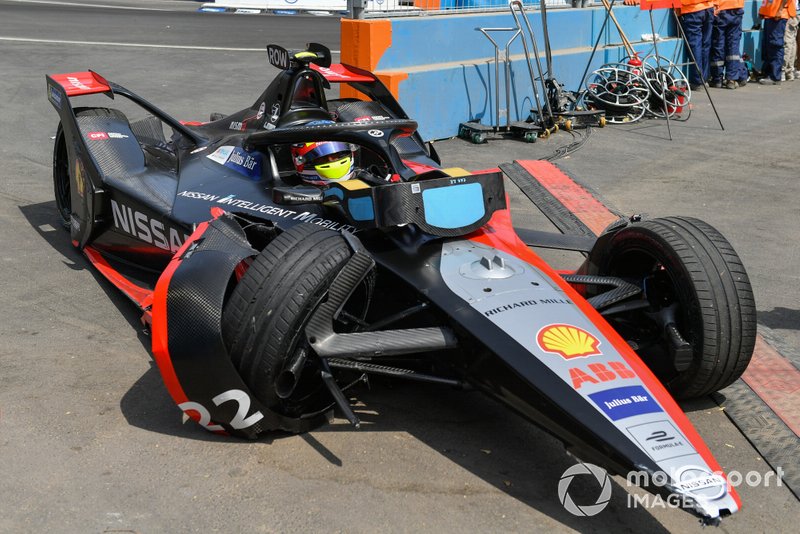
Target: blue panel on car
361, 208
454, 206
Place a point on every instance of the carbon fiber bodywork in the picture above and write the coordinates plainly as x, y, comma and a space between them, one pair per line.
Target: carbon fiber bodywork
175, 219
210, 388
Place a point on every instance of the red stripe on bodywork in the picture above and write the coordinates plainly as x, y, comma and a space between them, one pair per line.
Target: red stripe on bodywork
82, 83
141, 296
160, 341
499, 233
573, 196
773, 378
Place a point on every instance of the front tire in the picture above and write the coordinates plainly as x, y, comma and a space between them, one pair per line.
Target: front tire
264, 320
685, 266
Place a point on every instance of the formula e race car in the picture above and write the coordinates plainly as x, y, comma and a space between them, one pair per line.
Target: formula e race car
267, 297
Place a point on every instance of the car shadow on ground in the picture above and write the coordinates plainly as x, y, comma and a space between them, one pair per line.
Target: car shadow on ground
469, 429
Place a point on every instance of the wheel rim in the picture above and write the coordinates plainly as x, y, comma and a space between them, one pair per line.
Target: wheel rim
662, 289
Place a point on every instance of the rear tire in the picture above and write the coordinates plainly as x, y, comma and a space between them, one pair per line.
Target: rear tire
63, 168
61, 178
263, 322
686, 262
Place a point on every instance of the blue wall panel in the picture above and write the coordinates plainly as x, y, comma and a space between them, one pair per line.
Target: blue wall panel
451, 78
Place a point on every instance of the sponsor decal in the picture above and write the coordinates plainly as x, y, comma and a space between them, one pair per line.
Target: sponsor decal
619, 403
261, 110
319, 123
507, 307
276, 112
415, 188
269, 126
80, 179
327, 72
700, 483
278, 56
521, 304
196, 150
245, 11
370, 118
102, 136
567, 341
230, 201
54, 95
142, 227
221, 154
597, 373
375, 133
75, 82
660, 440
236, 125
238, 159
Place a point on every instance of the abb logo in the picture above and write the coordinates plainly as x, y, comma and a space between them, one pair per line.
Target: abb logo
595, 373
96, 136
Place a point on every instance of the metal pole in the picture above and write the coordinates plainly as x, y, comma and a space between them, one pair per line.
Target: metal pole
661, 80
506, 68
691, 55
356, 8
511, 6
594, 50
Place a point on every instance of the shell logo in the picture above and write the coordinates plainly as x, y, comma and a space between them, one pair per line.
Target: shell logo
567, 341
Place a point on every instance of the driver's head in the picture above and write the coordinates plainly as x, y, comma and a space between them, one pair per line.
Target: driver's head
324, 162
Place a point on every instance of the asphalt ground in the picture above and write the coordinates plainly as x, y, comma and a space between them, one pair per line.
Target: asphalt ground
91, 442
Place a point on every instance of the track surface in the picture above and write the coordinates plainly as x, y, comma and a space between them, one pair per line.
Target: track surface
91, 442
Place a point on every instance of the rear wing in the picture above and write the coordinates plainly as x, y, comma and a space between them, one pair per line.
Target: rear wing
342, 73
60, 87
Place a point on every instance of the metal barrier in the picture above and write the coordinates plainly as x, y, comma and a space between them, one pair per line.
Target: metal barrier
416, 8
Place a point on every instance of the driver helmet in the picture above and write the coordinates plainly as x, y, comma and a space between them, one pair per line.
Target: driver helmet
323, 162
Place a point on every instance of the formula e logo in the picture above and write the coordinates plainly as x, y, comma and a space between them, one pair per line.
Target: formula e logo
375, 133
659, 435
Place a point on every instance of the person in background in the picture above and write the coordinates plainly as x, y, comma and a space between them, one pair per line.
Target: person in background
775, 13
790, 47
727, 68
697, 18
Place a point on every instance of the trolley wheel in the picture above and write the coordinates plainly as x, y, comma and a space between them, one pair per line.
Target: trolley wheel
602, 122
478, 138
554, 129
568, 125
530, 137
544, 134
